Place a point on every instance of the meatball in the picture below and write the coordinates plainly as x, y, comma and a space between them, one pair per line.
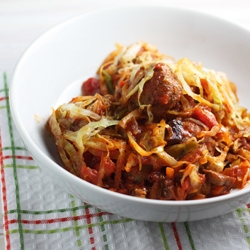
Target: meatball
162, 91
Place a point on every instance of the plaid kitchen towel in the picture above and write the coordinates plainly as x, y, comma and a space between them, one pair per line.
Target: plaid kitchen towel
39, 215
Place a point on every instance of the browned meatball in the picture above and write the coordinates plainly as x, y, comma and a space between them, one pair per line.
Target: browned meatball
162, 91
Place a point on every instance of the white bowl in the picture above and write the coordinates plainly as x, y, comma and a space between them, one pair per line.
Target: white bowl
74, 49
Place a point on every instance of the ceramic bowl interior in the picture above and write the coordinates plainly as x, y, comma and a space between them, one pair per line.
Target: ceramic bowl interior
51, 70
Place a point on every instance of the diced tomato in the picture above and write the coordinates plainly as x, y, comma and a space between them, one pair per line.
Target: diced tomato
205, 116
122, 83
219, 190
240, 172
91, 86
89, 174
186, 184
109, 166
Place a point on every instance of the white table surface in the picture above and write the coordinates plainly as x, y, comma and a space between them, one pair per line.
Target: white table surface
22, 21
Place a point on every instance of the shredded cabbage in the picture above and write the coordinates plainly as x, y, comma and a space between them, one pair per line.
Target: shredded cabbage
81, 136
190, 139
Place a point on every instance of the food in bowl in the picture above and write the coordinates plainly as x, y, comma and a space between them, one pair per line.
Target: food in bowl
151, 127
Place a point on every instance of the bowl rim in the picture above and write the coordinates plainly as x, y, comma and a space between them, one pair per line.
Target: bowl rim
40, 156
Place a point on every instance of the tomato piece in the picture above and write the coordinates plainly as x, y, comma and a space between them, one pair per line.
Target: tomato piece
122, 83
109, 166
219, 190
91, 86
240, 172
89, 174
186, 185
205, 116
